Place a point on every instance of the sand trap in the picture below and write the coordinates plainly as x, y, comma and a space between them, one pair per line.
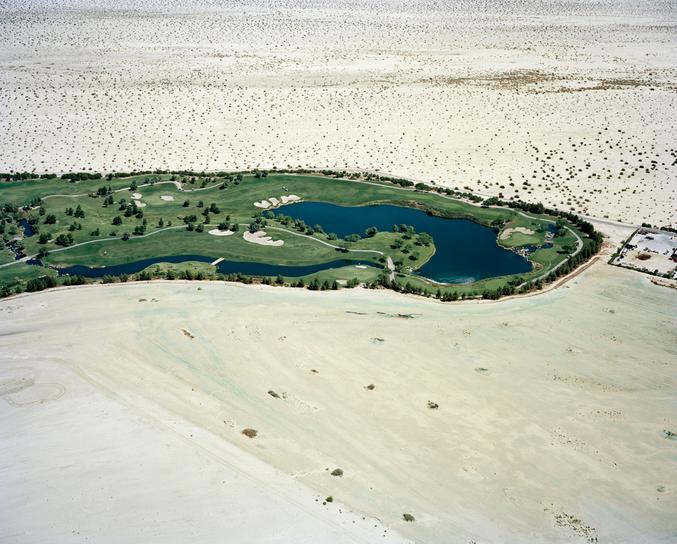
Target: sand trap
273, 202
139, 204
137, 196
168, 198
361, 266
217, 232
261, 238
508, 232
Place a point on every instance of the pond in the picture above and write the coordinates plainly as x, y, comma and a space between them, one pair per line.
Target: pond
27, 228
224, 267
465, 251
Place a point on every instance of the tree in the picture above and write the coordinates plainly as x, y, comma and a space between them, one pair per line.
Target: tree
425, 239
50, 219
371, 232
200, 227
64, 239
125, 236
44, 238
186, 203
38, 284
117, 220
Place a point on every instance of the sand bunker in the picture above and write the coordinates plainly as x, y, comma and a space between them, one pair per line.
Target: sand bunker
261, 238
508, 232
273, 202
217, 232
139, 204
168, 198
137, 196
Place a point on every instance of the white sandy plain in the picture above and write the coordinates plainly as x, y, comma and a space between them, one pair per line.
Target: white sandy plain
576, 99
547, 414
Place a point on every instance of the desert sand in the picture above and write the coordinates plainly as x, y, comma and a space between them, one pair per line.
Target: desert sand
550, 422
572, 104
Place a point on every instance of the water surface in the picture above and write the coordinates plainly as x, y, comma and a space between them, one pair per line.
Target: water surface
465, 251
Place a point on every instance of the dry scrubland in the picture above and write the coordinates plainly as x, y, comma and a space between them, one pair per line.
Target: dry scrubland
577, 99
550, 427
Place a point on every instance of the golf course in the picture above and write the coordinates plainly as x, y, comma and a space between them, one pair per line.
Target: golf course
318, 230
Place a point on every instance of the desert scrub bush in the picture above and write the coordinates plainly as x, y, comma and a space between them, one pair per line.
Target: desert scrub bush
408, 517
337, 472
249, 433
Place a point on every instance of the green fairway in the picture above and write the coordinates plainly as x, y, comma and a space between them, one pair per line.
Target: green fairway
105, 222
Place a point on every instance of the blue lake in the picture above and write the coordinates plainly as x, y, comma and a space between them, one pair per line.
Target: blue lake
465, 251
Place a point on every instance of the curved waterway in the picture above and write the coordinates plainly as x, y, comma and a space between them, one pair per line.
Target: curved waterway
464, 251
224, 267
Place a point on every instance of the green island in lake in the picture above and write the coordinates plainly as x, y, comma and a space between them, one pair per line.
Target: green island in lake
320, 230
